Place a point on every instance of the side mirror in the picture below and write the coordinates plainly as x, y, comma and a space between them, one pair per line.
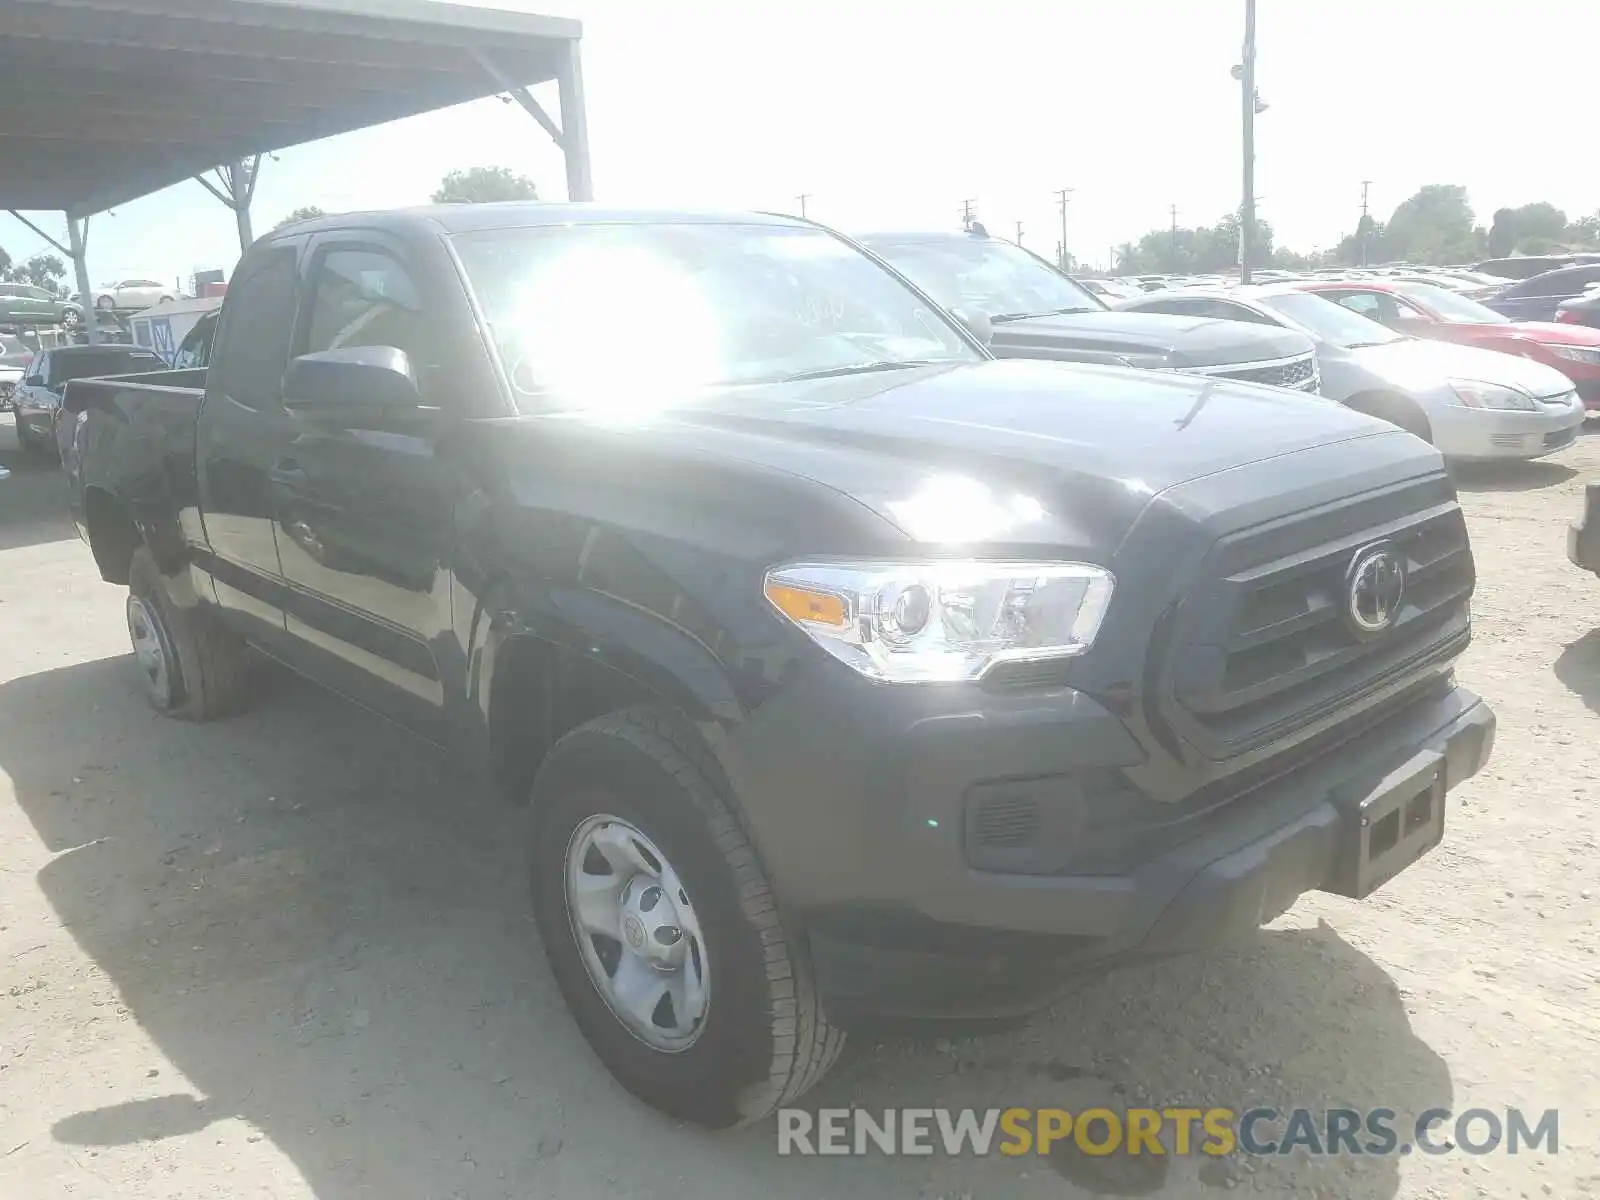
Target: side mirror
978, 324
361, 381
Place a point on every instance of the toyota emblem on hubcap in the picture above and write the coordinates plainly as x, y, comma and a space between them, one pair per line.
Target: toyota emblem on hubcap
1374, 589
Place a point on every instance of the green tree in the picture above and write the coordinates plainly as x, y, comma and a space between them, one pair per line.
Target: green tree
1503, 233
45, 271
1585, 231
305, 212
484, 185
1539, 220
1434, 226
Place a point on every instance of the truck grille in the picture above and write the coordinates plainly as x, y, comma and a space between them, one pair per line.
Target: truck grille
1264, 646
1298, 373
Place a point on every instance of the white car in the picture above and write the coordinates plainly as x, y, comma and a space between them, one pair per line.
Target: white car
133, 294
1470, 403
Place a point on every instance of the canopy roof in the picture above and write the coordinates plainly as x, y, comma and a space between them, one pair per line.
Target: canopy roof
102, 101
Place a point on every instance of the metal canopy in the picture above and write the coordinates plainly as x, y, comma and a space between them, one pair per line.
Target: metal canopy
103, 101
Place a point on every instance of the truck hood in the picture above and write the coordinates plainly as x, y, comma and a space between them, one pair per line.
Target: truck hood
1003, 453
1419, 365
1176, 341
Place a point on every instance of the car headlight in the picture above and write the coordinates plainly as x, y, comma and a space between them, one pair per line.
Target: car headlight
1583, 354
942, 622
1476, 394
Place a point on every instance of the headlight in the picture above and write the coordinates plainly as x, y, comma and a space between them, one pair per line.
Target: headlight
1583, 354
942, 622
1475, 394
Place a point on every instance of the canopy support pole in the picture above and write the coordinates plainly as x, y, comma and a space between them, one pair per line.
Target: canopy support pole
237, 190
572, 134
574, 125
78, 237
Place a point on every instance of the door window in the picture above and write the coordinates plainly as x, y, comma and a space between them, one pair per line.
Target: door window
1375, 306
37, 369
258, 328
195, 350
365, 298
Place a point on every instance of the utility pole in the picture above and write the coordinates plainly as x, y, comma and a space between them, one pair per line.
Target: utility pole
1174, 237
803, 197
1061, 200
966, 213
1019, 233
1361, 229
1247, 109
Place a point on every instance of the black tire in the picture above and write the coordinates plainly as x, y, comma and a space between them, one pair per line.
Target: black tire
105, 303
765, 1039
207, 665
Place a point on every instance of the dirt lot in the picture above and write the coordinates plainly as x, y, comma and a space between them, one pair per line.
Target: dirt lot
289, 955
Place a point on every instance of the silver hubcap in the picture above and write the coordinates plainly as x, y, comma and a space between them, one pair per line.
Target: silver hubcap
637, 933
149, 650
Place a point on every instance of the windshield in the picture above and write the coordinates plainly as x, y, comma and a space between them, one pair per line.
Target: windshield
985, 276
1450, 306
635, 315
1330, 321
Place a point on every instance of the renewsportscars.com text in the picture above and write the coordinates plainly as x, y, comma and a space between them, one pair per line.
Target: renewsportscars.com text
1213, 1131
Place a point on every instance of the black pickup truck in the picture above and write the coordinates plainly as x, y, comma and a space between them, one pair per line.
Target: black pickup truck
848, 670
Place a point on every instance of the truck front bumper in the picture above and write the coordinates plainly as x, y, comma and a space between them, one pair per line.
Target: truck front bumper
1583, 535
902, 924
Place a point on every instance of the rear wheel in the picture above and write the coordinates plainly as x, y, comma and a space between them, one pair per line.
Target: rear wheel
189, 666
105, 303
662, 930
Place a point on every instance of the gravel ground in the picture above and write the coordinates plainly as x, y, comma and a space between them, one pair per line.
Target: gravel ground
288, 955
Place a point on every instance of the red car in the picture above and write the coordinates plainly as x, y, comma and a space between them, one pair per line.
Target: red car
1423, 310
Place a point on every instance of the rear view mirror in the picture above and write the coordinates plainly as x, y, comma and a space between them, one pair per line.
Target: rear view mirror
978, 324
367, 380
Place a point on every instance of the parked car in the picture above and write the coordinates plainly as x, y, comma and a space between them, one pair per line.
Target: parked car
1035, 311
1429, 312
38, 396
14, 357
1537, 299
24, 304
1470, 403
1110, 290
1581, 310
846, 669
1526, 266
133, 294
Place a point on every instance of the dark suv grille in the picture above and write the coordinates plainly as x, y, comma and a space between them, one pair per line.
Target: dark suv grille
1299, 373
1264, 647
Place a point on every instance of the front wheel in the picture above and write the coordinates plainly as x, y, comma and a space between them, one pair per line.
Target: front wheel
662, 930
70, 316
105, 303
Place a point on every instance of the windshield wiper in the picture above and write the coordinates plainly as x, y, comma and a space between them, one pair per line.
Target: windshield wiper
898, 364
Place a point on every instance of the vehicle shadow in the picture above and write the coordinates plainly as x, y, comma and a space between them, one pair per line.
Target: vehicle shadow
33, 499
325, 930
1513, 476
1578, 667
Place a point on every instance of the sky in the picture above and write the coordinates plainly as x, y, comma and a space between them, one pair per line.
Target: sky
890, 113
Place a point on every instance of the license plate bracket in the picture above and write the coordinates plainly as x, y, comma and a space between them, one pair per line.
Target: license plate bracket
1391, 827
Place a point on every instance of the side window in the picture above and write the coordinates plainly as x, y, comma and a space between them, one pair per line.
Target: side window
196, 348
37, 369
365, 298
1375, 306
1556, 283
257, 330
1203, 306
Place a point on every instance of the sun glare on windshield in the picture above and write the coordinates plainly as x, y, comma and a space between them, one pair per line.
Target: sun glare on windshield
660, 339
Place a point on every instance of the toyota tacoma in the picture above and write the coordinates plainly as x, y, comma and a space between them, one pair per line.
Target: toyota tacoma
847, 671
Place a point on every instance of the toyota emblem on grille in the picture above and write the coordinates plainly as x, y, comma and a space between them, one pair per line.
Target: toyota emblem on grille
1374, 589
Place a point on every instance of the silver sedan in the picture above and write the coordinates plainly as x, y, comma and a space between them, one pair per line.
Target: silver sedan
1470, 403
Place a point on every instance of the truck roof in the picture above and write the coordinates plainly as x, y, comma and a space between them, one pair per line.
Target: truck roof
468, 218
